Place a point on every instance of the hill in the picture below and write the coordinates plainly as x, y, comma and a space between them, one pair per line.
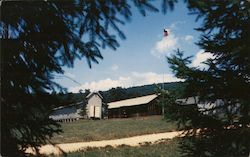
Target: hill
115, 94
119, 93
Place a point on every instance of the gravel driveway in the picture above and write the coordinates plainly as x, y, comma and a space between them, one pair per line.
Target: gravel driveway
131, 141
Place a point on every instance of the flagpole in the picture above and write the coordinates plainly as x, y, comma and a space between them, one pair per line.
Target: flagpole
163, 95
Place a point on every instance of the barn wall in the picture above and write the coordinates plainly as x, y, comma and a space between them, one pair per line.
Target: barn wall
154, 108
151, 108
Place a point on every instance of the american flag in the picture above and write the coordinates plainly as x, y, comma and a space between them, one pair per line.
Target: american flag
165, 32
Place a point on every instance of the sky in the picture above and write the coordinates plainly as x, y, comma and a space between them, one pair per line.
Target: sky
141, 57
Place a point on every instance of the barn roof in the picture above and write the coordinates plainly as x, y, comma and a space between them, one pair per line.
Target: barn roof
132, 102
92, 93
68, 106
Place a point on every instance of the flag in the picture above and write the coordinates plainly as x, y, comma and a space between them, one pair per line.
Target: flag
165, 32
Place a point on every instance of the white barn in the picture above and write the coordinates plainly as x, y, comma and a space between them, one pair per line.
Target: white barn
94, 107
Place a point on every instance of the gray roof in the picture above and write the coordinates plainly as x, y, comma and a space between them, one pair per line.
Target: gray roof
188, 101
132, 102
67, 112
92, 93
68, 106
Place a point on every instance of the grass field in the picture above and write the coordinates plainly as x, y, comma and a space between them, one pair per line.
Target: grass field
165, 148
89, 130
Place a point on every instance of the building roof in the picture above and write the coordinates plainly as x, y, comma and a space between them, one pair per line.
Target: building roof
68, 106
132, 102
92, 93
188, 101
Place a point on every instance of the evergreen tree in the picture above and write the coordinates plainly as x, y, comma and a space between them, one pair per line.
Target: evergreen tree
225, 32
37, 39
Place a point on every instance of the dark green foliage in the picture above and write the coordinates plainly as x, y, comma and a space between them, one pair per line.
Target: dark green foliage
225, 33
150, 89
69, 98
114, 94
26, 125
120, 93
221, 143
83, 98
226, 77
178, 64
37, 39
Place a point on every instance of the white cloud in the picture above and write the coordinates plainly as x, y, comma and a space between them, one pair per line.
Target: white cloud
165, 46
151, 77
114, 67
134, 79
175, 24
200, 57
188, 38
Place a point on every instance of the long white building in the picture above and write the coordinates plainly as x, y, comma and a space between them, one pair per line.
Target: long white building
94, 109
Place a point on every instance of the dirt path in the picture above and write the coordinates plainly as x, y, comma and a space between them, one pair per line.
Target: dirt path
131, 141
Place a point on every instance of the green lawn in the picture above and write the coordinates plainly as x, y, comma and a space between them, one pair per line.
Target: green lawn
165, 148
89, 130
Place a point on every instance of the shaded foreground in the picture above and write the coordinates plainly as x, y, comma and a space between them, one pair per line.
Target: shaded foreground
89, 130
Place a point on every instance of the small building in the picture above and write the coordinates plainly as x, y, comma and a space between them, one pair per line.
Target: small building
95, 107
188, 101
134, 107
67, 113
205, 107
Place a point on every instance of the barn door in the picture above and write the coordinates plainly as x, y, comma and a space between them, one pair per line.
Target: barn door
97, 112
92, 111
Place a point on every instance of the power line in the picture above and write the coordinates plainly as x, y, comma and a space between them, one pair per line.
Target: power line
65, 76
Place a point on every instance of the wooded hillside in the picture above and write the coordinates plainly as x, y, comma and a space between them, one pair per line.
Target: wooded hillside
119, 93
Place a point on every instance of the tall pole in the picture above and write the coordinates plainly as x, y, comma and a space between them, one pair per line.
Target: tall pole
163, 95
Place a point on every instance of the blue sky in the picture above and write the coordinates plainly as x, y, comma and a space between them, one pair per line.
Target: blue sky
140, 59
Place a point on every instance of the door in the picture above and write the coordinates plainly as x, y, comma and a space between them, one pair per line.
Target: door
92, 111
97, 112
